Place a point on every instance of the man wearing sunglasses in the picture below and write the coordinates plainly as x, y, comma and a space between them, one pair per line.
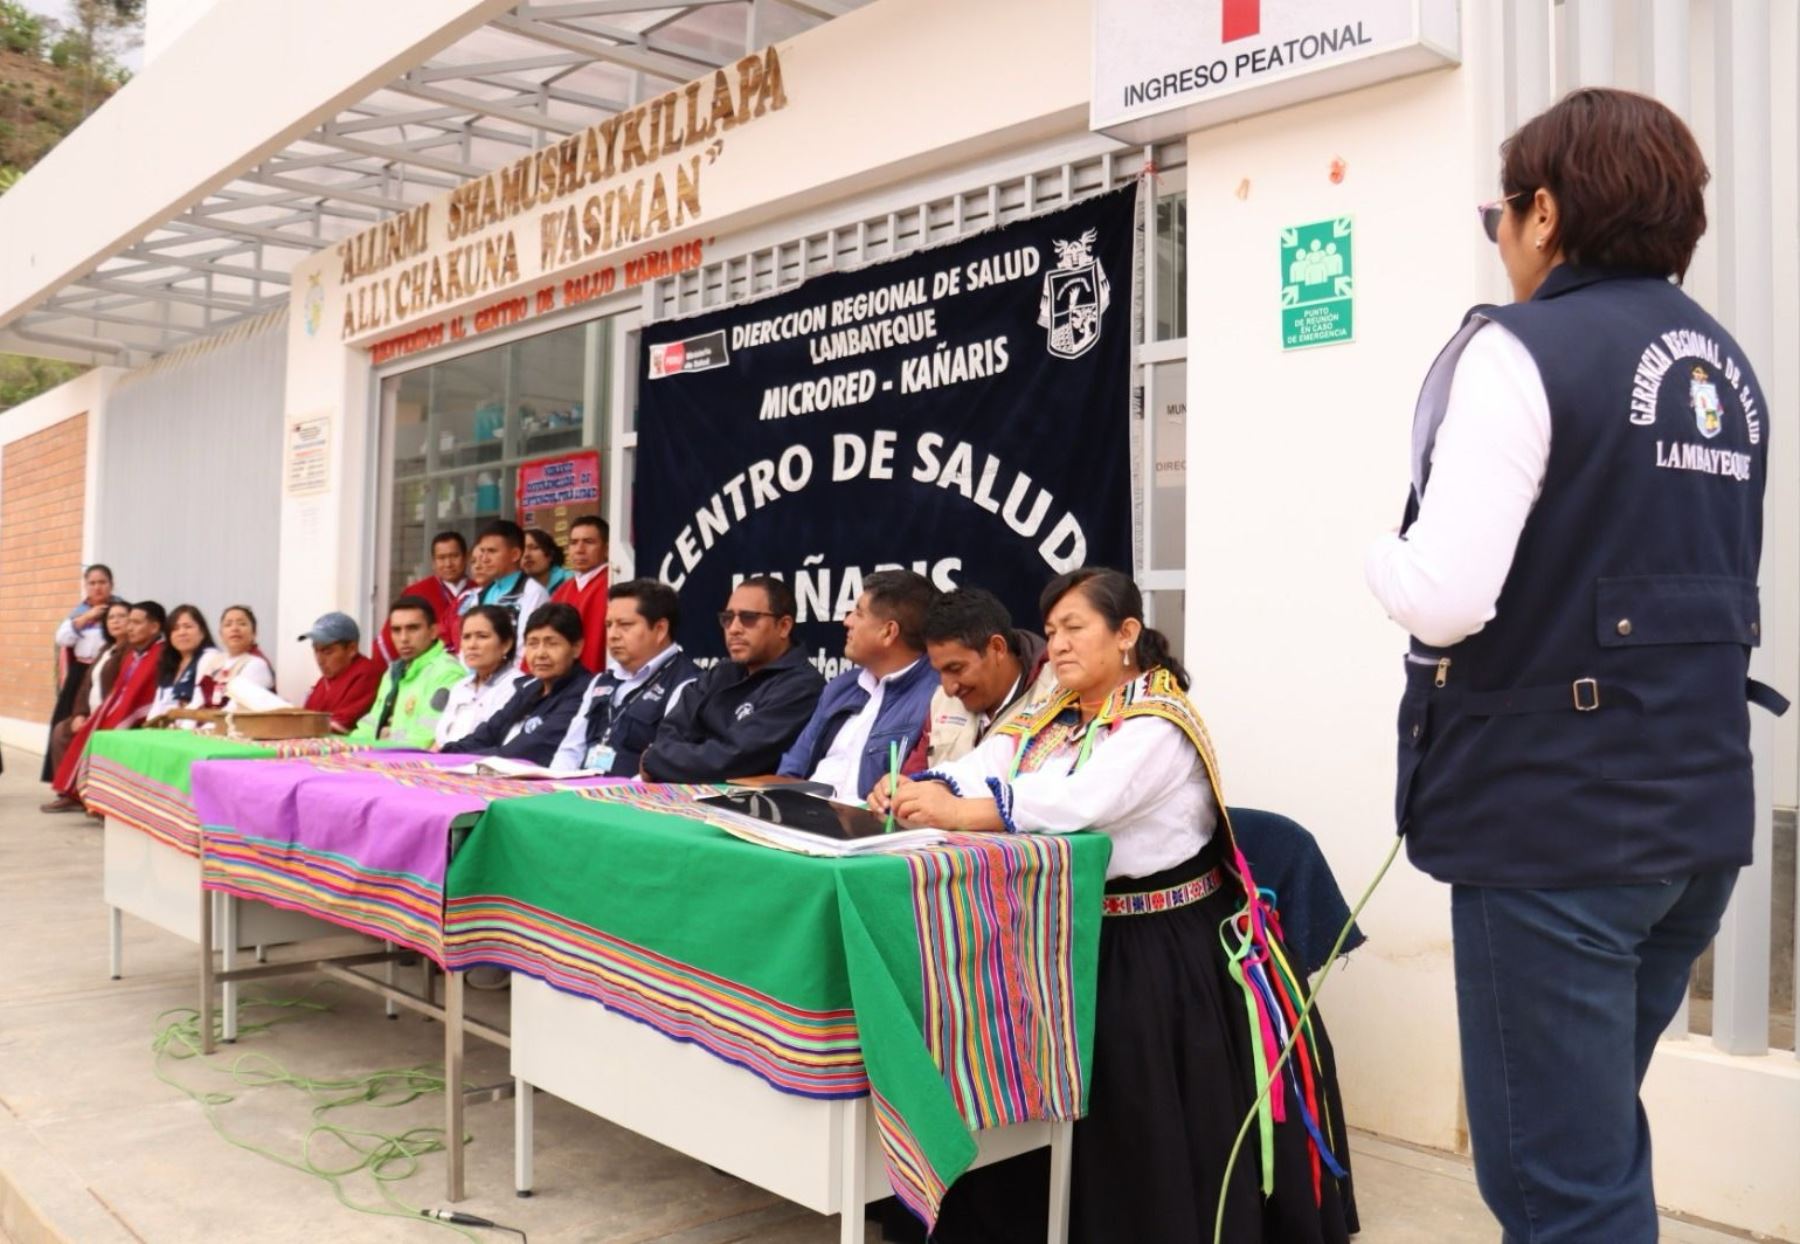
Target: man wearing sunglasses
744, 712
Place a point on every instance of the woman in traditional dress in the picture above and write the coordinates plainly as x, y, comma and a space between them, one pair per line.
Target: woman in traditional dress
543, 560
96, 683
80, 639
239, 658
487, 651
178, 669
1176, 1058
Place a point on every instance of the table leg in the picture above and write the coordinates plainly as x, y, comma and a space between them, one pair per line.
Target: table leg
228, 937
523, 1100
851, 1227
427, 982
453, 1082
393, 1008
115, 942
206, 971
1062, 1151
262, 953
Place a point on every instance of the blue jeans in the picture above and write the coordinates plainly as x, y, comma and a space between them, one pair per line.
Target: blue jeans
1561, 996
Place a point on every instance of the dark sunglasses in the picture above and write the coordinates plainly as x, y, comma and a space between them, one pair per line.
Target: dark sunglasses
1491, 213
749, 617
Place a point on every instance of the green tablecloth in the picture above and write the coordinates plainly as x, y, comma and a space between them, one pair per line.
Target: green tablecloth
955, 985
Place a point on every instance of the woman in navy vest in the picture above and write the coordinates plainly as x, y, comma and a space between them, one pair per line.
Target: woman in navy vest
1578, 572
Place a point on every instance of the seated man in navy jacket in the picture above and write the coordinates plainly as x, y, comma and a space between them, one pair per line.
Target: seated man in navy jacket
532, 724
738, 717
883, 704
645, 676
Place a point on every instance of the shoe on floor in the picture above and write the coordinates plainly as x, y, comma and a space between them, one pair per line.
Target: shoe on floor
63, 803
488, 978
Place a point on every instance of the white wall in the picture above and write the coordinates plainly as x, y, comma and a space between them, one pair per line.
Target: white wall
88, 392
1295, 462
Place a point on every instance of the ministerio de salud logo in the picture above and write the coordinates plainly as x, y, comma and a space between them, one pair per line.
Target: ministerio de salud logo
1703, 395
1076, 294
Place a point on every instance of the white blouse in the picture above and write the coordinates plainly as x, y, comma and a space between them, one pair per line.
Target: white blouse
473, 702
222, 667
1143, 786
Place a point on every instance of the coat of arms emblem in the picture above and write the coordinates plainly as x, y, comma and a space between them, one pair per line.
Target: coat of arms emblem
1076, 294
314, 307
1703, 394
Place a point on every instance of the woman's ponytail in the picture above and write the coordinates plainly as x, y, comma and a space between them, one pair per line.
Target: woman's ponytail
1153, 652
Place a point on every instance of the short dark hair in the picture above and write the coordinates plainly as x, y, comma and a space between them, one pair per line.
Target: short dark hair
499, 617
546, 543
1116, 598
565, 620
1627, 175
506, 529
656, 601
969, 616
450, 537
415, 603
152, 610
595, 521
902, 597
779, 595
100, 566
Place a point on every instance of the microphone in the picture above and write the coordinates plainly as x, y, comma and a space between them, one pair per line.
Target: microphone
461, 1220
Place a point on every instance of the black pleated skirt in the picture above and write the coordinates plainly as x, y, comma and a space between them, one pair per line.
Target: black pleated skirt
1172, 1079
64, 708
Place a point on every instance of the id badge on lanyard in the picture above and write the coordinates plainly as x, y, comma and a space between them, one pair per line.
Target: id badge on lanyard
600, 756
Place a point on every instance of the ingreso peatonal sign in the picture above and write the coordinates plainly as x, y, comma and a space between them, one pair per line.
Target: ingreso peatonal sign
1167, 67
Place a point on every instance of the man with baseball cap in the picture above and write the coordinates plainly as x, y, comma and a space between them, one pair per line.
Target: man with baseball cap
347, 678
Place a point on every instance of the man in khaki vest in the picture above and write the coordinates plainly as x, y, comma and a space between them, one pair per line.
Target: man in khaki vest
987, 672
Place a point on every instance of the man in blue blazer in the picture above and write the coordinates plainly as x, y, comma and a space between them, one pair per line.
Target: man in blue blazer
882, 703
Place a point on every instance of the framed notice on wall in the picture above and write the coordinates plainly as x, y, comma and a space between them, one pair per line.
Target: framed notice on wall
308, 455
554, 492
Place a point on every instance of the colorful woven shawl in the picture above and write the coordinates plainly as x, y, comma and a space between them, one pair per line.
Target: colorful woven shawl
1274, 991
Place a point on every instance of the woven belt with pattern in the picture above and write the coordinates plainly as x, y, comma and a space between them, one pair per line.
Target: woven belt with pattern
1152, 901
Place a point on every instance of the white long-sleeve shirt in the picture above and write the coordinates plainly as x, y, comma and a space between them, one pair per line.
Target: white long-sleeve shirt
1143, 786
473, 701
86, 643
1487, 462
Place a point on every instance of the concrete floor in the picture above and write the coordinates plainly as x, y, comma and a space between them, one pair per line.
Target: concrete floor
94, 1148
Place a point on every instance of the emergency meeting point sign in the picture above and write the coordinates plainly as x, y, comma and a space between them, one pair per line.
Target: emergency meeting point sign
1167, 67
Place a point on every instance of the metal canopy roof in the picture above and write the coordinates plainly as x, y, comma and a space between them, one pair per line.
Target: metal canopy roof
525, 80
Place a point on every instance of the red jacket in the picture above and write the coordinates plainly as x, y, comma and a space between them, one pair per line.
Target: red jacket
348, 696
449, 622
590, 603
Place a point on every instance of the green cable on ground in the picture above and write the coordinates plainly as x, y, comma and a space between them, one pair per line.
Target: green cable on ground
1299, 1026
386, 1157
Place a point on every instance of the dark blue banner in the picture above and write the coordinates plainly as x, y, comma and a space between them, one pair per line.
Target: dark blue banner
962, 411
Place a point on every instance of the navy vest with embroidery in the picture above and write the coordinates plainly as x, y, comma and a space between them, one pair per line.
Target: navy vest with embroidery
631, 727
1596, 731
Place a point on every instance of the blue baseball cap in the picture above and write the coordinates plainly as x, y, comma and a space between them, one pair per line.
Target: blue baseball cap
334, 628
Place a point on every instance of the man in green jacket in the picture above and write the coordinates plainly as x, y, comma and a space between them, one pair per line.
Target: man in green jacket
417, 685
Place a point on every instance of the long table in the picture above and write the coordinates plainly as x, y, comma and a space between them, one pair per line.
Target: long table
825, 1028
357, 843
140, 781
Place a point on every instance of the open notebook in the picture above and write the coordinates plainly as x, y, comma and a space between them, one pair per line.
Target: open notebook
792, 820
